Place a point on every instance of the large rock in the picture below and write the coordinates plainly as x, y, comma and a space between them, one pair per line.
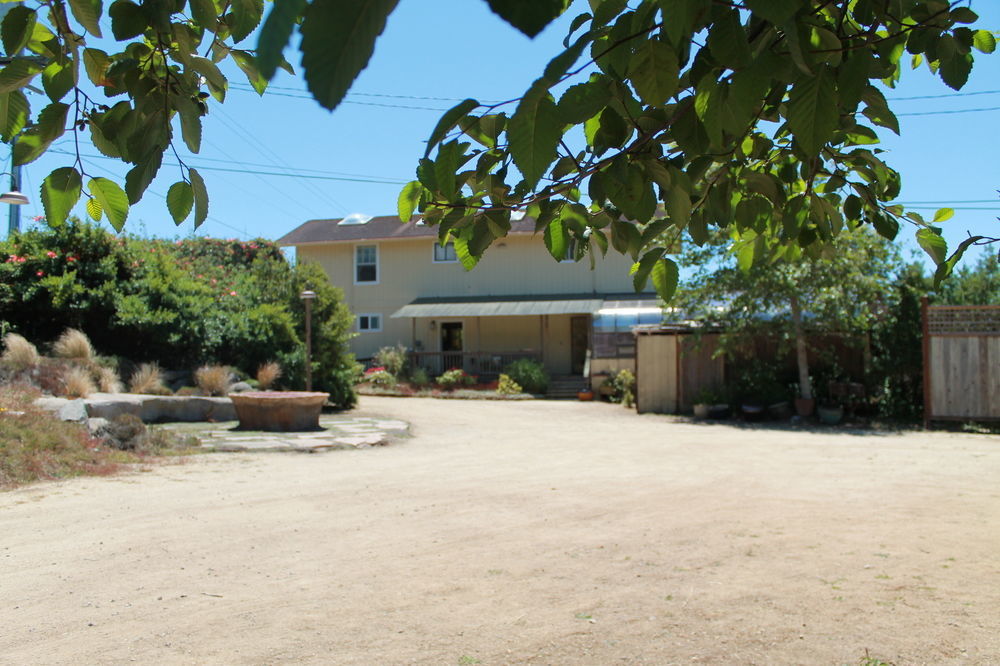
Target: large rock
156, 408
64, 408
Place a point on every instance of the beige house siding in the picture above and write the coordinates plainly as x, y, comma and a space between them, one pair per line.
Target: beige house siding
516, 265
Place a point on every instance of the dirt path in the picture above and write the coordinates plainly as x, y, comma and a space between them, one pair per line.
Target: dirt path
541, 533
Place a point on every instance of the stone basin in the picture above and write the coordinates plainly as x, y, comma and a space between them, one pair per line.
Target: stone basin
280, 411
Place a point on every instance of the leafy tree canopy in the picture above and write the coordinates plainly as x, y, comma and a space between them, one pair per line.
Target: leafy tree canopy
660, 117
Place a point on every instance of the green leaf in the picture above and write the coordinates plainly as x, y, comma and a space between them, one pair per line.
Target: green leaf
728, 41
933, 244
944, 269
200, 197
654, 71
812, 111
248, 64
35, 140
113, 200
664, 276
955, 70
448, 122
886, 225
245, 16
17, 27
94, 209
775, 11
944, 214
409, 197
127, 20
642, 268
275, 33
58, 79
14, 112
60, 192
534, 133
18, 74
984, 41
964, 15
529, 17
584, 100
559, 65
96, 63
141, 175
88, 13
556, 239
679, 206
465, 256
204, 13
190, 125
338, 37
180, 200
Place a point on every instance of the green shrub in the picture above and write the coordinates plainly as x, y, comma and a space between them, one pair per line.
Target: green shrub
508, 386
419, 377
624, 385
179, 303
393, 359
379, 376
454, 378
529, 374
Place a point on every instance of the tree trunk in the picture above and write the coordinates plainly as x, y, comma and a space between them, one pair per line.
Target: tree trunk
801, 356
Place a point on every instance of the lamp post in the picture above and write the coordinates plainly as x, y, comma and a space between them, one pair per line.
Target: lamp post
308, 296
15, 198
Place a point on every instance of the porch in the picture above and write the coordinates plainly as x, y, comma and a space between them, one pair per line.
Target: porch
485, 365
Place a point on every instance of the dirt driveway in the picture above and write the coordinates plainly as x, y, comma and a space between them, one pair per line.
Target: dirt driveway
539, 532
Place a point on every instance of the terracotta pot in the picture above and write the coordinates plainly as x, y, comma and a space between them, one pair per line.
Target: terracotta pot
585, 396
805, 406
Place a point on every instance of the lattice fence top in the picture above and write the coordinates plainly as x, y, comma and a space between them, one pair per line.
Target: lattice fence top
973, 320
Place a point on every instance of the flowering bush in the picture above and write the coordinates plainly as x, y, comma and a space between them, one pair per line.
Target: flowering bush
379, 376
454, 378
508, 386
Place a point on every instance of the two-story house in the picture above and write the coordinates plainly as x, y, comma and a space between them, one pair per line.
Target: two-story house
406, 288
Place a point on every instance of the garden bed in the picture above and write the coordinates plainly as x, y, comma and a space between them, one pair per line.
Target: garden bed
474, 393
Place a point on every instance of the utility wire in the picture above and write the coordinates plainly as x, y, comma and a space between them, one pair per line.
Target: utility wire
254, 172
944, 95
942, 113
210, 218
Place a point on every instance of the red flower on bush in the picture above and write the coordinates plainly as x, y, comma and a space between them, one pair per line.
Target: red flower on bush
50, 254
40, 273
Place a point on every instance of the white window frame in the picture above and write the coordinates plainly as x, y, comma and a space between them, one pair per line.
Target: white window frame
369, 315
378, 267
434, 248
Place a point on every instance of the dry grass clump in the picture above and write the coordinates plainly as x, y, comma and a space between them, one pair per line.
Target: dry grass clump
107, 380
212, 379
77, 383
147, 379
18, 353
74, 345
267, 374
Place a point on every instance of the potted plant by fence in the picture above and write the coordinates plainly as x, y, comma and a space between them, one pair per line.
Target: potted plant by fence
709, 401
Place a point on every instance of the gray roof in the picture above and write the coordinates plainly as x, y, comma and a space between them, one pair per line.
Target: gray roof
505, 306
385, 227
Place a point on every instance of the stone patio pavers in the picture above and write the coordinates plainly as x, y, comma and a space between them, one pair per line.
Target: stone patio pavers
338, 432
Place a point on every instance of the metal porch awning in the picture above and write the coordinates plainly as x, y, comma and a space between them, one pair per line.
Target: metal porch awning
498, 307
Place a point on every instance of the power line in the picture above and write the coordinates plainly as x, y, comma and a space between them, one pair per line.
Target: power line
948, 203
307, 96
944, 95
387, 95
253, 172
941, 113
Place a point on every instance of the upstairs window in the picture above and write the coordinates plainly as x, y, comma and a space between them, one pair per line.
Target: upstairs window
366, 264
445, 254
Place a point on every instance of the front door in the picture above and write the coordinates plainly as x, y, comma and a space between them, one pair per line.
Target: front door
452, 344
578, 335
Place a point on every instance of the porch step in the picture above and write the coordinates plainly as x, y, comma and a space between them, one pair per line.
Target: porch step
564, 387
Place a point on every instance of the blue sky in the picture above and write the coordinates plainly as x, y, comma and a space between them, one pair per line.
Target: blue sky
436, 52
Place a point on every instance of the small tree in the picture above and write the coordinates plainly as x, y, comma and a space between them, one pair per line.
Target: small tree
844, 288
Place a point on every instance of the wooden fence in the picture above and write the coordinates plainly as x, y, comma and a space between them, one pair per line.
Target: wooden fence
672, 368
961, 362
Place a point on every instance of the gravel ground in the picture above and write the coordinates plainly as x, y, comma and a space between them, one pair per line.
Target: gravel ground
533, 532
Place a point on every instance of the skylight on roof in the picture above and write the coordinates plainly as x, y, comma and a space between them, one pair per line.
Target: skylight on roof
355, 218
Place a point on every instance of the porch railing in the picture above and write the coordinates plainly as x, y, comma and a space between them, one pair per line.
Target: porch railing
484, 364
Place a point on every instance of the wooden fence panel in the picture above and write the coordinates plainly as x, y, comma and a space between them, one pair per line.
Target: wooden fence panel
656, 374
699, 370
961, 362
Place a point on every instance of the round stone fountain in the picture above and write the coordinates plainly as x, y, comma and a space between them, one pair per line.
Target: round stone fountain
280, 411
